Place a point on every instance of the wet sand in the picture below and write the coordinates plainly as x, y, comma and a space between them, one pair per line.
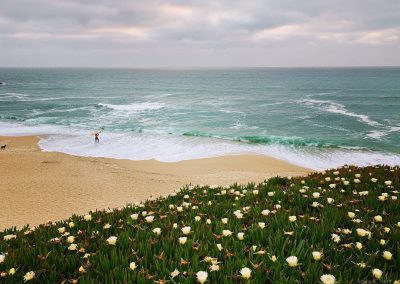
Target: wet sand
38, 186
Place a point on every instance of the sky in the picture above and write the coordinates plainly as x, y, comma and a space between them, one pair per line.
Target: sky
203, 33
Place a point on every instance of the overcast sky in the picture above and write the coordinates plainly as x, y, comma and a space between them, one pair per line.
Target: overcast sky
115, 33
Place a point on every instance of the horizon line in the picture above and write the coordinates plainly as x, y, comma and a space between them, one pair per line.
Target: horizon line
198, 67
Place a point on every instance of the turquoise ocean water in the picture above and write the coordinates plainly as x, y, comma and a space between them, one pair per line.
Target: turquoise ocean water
314, 117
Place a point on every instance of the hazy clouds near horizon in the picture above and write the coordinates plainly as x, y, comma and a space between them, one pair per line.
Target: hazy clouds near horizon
199, 33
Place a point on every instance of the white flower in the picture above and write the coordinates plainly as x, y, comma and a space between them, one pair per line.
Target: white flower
273, 258
144, 213
134, 216
327, 179
292, 218
359, 245
330, 200
332, 185
315, 204
12, 271
316, 194
179, 208
361, 232
335, 238
362, 265
246, 272
386, 230
346, 182
219, 246
226, 233
381, 198
346, 231
351, 215
214, 267
87, 217
186, 230
265, 212
61, 230
238, 215
29, 276
382, 242
202, 276
2, 258
175, 273
107, 226
292, 261
182, 240
240, 236
255, 192
336, 173
377, 273
71, 224
70, 239
261, 225
357, 175
112, 240
271, 193
388, 182
149, 219
157, 231
208, 221
374, 179
356, 180
132, 266
82, 269
175, 225
328, 279
197, 218
378, 218
224, 220
316, 255
9, 237
73, 247
387, 255
186, 196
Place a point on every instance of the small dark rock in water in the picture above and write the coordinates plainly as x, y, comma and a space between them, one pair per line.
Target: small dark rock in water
2, 83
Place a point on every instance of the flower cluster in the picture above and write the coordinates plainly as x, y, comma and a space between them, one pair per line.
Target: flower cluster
339, 226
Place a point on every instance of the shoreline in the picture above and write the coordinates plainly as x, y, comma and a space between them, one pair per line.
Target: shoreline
39, 186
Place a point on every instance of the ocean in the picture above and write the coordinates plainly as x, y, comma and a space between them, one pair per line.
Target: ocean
313, 117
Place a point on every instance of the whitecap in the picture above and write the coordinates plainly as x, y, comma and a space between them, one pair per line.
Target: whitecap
334, 107
135, 107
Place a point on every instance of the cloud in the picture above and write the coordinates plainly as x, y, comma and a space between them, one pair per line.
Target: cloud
207, 29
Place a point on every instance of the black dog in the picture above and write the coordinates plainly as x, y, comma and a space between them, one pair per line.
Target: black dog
3, 147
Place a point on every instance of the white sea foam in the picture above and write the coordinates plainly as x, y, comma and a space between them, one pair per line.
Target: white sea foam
378, 134
171, 148
136, 107
333, 107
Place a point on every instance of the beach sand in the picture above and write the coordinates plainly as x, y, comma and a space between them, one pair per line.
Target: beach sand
38, 186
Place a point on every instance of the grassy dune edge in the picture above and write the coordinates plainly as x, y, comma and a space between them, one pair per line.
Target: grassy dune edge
341, 226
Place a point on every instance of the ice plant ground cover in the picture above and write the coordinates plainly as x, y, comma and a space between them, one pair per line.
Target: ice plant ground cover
339, 226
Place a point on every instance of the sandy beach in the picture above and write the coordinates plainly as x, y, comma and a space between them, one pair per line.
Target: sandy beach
38, 186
